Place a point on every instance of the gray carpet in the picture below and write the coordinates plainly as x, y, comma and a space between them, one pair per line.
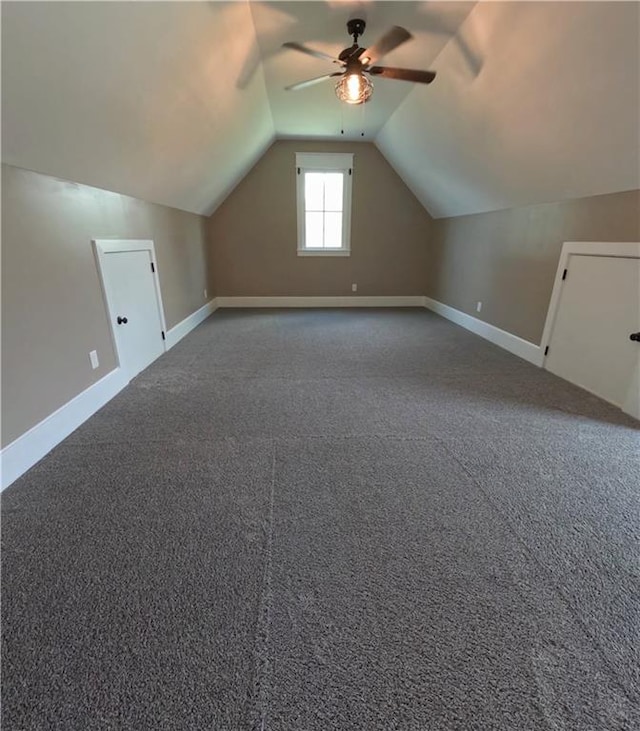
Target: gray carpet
313, 520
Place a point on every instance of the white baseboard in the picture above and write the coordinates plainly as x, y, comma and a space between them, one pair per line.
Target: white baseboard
189, 323
512, 343
16, 458
19, 456
355, 301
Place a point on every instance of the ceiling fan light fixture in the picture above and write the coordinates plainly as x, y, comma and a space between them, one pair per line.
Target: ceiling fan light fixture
354, 88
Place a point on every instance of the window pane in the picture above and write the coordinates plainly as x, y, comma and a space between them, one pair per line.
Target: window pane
333, 191
313, 230
314, 191
333, 230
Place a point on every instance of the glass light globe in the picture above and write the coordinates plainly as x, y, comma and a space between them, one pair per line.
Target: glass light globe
354, 88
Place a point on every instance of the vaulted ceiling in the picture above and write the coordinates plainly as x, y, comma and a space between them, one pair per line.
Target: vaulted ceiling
135, 97
173, 102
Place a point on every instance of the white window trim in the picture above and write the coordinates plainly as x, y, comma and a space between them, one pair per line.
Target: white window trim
320, 162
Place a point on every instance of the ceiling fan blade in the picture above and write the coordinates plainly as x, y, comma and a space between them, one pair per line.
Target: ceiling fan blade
393, 38
311, 52
389, 72
311, 82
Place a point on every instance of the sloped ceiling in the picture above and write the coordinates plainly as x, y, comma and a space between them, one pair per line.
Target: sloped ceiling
173, 102
553, 112
135, 97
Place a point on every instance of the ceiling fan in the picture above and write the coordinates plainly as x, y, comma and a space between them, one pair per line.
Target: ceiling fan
354, 85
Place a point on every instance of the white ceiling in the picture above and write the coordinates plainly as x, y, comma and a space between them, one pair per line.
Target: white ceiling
135, 97
552, 114
173, 102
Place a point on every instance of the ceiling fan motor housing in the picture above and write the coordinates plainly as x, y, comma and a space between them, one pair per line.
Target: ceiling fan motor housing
353, 52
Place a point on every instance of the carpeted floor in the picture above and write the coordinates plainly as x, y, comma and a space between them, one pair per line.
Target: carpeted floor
312, 520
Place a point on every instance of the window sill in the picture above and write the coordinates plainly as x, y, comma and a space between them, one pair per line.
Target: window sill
324, 252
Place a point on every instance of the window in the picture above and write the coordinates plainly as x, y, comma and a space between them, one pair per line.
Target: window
324, 203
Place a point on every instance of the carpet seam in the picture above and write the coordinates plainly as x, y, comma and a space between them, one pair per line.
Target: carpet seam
368, 607
262, 664
249, 437
632, 697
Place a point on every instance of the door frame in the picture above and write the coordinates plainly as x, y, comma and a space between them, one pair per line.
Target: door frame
102, 247
623, 249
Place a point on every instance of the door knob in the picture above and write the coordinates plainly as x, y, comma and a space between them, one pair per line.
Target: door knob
122, 320
635, 336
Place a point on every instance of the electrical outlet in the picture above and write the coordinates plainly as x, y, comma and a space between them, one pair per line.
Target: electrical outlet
93, 357
354, 287
479, 307
205, 294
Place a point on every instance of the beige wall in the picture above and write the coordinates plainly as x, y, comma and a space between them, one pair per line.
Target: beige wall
253, 235
53, 312
508, 259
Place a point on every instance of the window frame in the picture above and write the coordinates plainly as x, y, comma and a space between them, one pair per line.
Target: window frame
324, 162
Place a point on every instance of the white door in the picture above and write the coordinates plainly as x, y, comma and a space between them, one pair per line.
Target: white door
130, 288
591, 342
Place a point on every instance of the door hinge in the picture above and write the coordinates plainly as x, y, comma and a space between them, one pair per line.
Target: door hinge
564, 274
153, 268
349, 171
546, 350
163, 337
298, 171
